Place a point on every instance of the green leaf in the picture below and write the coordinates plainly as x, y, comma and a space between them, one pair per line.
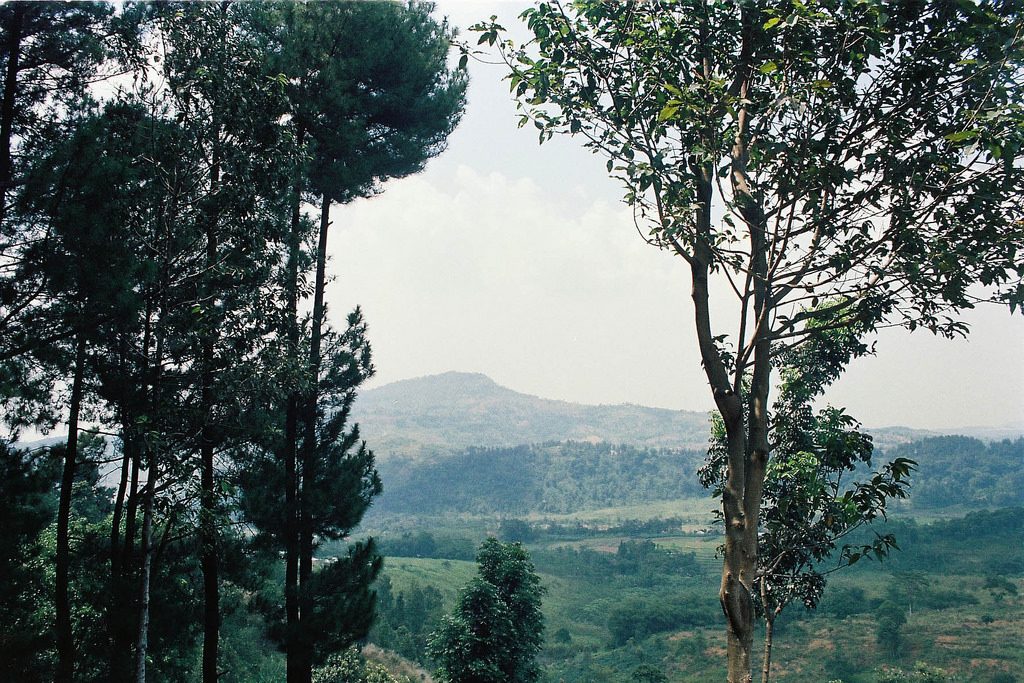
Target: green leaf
962, 135
667, 112
769, 67
771, 23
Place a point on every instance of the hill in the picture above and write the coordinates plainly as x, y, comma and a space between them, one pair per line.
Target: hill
442, 414
455, 410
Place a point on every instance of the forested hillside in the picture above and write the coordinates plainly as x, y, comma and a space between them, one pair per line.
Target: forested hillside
959, 470
551, 478
953, 472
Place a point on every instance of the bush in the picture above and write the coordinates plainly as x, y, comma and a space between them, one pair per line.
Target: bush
350, 667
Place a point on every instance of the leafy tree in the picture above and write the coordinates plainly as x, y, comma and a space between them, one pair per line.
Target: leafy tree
859, 154
228, 113
50, 53
497, 629
645, 673
889, 620
808, 508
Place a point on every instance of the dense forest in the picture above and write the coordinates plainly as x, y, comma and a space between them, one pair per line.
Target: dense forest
205, 506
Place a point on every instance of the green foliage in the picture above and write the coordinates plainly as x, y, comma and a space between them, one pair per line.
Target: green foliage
349, 666
812, 500
646, 673
638, 618
633, 563
889, 620
497, 629
27, 507
958, 470
515, 531
922, 673
371, 116
554, 478
405, 620
939, 547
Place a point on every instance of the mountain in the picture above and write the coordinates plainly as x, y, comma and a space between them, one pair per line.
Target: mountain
455, 410
442, 414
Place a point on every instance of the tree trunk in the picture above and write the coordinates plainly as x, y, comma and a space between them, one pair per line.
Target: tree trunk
748, 453
7, 106
120, 631
142, 638
309, 441
118, 514
766, 667
291, 525
209, 562
65, 638
131, 521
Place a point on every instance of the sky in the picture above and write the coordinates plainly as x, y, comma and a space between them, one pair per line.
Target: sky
520, 261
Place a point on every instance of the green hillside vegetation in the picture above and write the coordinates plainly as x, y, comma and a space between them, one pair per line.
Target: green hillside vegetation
613, 606
553, 478
571, 477
959, 470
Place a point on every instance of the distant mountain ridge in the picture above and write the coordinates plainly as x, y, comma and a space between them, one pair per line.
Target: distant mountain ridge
456, 410
442, 414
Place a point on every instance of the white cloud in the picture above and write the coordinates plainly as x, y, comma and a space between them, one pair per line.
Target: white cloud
549, 290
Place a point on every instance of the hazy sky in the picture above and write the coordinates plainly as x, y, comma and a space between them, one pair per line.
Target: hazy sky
520, 261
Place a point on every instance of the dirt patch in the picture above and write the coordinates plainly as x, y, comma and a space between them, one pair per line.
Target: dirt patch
821, 644
985, 663
681, 635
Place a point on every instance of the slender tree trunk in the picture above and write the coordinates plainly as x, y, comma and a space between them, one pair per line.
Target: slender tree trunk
131, 515
748, 453
119, 498
120, 630
7, 106
209, 564
142, 637
65, 638
309, 441
123, 589
209, 561
739, 562
291, 527
766, 667
131, 521
208, 500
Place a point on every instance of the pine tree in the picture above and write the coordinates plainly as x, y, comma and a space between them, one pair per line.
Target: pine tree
371, 98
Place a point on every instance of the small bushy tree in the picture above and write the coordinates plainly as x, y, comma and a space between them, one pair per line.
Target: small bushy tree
497, 629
